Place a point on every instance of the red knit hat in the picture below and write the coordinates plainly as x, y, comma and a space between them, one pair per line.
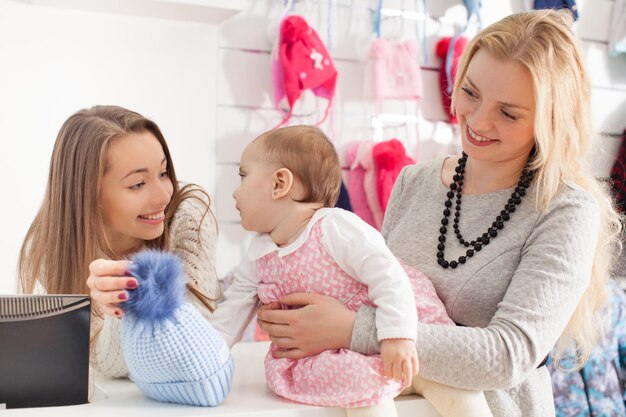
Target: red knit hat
445, 80
303, 63
390, 157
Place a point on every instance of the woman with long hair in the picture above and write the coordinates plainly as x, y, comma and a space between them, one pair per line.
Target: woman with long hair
515, 233
112, 190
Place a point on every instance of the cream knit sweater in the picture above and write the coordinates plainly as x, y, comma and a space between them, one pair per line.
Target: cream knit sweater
193, 237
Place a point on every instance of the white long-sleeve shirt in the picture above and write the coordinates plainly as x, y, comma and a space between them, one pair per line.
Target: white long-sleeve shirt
357, 248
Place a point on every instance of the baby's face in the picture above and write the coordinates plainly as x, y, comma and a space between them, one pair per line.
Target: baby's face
253, 197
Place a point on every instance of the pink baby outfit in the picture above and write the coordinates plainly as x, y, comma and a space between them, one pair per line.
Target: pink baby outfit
356, 181
335, 377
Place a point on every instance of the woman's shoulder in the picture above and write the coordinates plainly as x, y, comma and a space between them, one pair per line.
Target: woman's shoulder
195, 200
573, 195
429, 171
572, 206
429, 168
193, 209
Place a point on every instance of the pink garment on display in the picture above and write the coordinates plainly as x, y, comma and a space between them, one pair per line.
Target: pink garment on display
389, 157
301, 62
369, 183
356, 189
395, 69
442, 51
340, 378
277, 81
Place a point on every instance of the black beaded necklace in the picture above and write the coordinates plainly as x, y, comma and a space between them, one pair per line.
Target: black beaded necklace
477, 244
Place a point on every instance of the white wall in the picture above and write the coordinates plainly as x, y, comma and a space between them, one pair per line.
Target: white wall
54, 62
245, 108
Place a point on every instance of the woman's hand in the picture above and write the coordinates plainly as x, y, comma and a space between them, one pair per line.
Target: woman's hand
108, 281
322, 323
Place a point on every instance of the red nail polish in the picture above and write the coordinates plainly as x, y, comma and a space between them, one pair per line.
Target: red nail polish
123, 296
117, 313
131, 283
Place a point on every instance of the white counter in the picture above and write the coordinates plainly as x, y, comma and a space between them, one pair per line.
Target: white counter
249, 397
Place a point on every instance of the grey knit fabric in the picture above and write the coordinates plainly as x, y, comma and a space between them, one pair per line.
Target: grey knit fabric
515, 296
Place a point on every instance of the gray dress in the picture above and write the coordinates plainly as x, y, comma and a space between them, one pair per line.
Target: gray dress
515, 296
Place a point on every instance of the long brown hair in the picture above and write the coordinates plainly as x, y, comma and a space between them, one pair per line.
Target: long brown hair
543, 42
68, 231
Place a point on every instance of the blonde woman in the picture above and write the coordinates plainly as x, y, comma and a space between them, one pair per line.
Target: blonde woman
111, 191
515, 233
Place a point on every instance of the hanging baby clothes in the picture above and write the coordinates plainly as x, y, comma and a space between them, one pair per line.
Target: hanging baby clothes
394, 70
359, 157
445, 82
598, 389
451, 49
301, 62
558, 4
389, 158
344, 198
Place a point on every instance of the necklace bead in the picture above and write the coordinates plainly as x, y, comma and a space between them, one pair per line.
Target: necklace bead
456, 186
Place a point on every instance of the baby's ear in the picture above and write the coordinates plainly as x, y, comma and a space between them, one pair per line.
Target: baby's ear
283, 182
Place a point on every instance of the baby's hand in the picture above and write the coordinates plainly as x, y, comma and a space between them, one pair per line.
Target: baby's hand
399, 359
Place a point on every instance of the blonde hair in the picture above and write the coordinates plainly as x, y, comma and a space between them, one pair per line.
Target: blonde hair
543, 42
310, 156
68, 231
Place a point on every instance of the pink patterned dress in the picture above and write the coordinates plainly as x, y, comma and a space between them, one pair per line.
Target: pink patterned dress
334, 377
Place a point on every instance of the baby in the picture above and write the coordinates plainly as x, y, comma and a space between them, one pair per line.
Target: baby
290, 182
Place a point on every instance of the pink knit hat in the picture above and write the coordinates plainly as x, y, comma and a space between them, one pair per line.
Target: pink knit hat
390, 157
451, 56
302, 63
395, 69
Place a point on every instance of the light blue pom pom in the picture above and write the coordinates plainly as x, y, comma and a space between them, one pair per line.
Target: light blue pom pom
161, 288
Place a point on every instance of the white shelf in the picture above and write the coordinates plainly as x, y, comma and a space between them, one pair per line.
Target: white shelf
204, 11
249, 397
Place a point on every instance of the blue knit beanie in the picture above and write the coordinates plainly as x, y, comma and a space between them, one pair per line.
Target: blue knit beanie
172, 352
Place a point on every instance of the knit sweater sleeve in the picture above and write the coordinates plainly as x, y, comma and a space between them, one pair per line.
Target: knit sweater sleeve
106, 348
553, 273
193, 237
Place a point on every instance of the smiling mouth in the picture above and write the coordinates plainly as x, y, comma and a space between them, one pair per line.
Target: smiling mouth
477, 137
156, 216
